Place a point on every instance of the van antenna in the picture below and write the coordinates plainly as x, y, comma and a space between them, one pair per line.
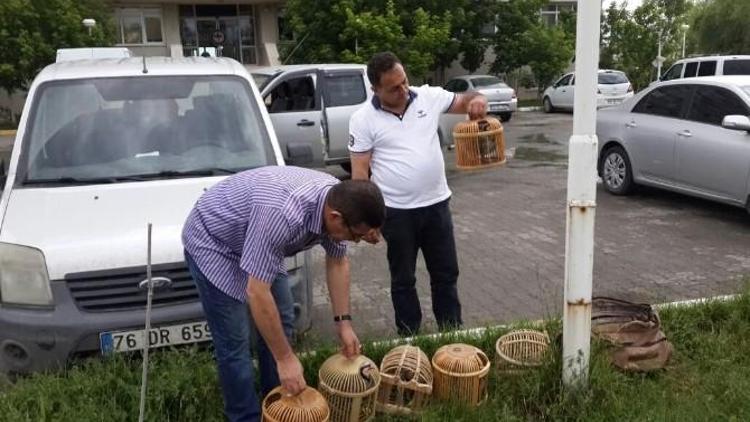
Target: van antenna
144, 65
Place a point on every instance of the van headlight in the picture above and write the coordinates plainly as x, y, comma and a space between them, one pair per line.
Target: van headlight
23, 276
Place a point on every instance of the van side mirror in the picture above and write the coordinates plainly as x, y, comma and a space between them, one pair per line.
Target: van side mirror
736, 122
299, 154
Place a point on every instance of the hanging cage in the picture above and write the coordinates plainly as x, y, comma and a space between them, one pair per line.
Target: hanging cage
405, 381
308, 406
460, 374
479, 143
519, 350
350, 386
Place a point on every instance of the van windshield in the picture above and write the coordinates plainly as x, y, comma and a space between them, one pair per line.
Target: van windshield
141, 128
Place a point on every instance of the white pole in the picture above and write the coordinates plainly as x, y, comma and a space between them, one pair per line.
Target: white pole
658, 60
579, 240
147, 332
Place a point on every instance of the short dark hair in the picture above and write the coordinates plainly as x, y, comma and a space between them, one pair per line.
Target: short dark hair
379, 64
359, 202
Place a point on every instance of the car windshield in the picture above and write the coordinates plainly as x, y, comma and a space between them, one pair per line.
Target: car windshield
485, 81
119, 129
612, 78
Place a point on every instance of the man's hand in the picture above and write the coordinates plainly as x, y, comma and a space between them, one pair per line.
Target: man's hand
477, 107
291, 375
350, 346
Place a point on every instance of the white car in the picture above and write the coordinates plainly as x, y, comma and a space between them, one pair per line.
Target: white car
104, 147
613, 88
501, 99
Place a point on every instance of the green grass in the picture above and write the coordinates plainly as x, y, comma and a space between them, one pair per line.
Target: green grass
708, 379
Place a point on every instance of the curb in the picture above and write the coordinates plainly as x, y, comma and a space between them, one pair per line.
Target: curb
534, 108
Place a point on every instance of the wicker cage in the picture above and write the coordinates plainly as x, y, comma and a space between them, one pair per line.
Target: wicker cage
479, 143
308, 406
350, 386
405, 381
460, 374
519, 350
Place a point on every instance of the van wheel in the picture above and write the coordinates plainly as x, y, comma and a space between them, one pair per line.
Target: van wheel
617, 173
505, 117
347, 167
547, 105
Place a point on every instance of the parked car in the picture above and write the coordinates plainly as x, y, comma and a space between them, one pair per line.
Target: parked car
310, 106
708, 66
613, 88
501, 99
103, 148
686, 135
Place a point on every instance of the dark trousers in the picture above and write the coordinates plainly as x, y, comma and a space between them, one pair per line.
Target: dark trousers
430, 229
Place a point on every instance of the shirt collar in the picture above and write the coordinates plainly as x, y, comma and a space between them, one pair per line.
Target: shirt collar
376, 101
317, 220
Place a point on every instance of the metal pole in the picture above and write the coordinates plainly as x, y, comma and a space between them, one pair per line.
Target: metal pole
684, 33
658, 61
147, 332
579, 238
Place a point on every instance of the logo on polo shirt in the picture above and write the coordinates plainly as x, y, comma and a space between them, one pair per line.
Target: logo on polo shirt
421, 114
351, 140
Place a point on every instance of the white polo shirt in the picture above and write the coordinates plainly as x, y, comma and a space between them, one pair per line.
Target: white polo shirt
407, 161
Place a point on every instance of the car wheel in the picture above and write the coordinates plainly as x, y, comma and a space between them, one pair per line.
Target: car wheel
505, 116
547, 104
347, 167
617, 173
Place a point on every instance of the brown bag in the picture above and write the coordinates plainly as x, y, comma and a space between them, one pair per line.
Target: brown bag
634, 332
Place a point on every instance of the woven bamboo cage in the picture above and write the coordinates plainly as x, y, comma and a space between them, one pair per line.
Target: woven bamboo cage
350, 386
479, 143
519, 350
405, 381
460, 374
308, 406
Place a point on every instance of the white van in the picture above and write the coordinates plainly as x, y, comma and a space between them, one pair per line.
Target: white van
103, 148
707, 66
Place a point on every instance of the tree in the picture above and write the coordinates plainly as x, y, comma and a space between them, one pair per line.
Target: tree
720, 26
514, 19
31, 31
548, 52
351, 31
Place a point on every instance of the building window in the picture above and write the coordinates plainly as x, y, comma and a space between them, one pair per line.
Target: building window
550, 14
139, 26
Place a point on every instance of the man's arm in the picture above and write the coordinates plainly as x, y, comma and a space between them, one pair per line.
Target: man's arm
267, 321
472, 103
337, 275
360, 165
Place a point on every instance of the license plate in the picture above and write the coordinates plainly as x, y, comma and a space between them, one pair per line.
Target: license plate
618, 101
498, 107
170, 335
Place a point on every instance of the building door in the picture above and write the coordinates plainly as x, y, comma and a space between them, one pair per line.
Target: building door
219, 37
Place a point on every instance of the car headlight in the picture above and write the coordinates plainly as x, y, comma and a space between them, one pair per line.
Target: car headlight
23, 276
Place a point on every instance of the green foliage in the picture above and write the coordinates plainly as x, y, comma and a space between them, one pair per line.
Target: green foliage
630, 39
721, 26
514, 21
548, 52
32, 30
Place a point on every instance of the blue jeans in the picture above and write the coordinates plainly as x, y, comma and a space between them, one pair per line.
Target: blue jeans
232, 330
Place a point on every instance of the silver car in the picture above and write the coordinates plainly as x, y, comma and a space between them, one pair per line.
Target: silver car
687, 135
501, 99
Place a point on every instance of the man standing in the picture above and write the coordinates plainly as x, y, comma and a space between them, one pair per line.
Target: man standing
236, 239
395, 137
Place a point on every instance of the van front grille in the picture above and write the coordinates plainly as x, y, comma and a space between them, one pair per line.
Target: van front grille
117, 290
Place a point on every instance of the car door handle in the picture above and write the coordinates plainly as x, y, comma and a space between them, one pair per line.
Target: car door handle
305, 122
631, 124
685, 134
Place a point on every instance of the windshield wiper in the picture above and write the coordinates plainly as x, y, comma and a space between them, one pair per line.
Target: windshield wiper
212, 171
70, 181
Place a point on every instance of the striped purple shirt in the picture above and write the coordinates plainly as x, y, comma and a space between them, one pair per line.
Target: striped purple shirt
248, 223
